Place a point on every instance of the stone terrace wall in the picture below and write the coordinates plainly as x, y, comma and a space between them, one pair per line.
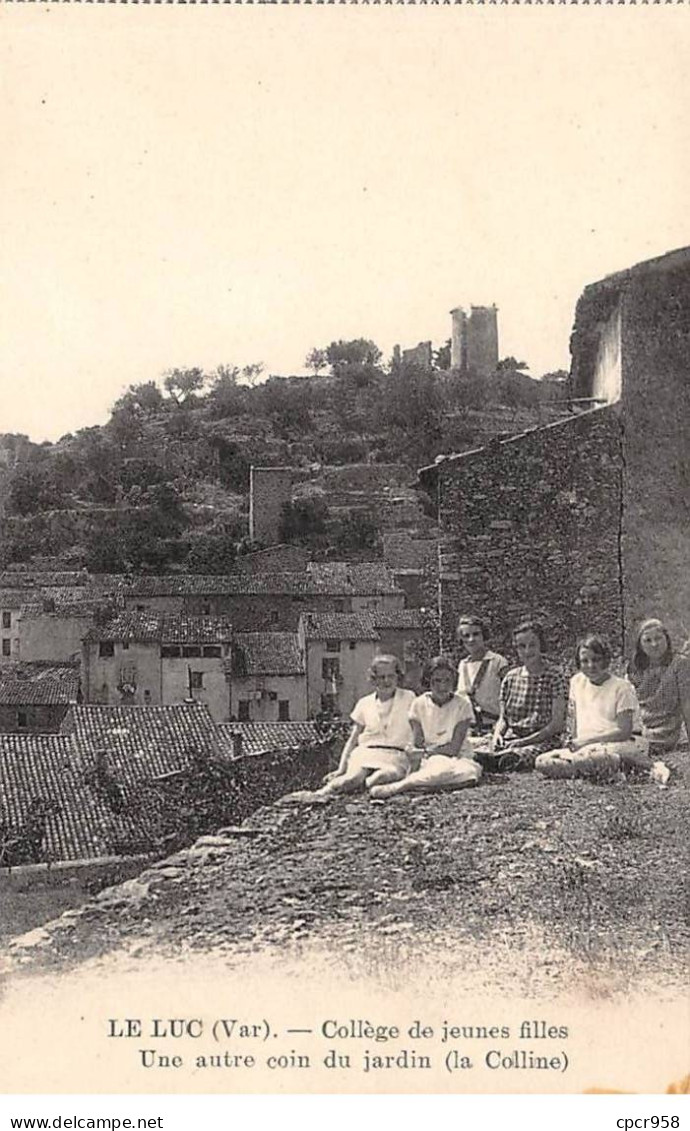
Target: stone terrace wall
531, 526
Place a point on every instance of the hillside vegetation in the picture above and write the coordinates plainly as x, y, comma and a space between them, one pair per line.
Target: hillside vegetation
164, 484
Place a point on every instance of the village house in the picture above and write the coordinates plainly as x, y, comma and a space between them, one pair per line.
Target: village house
267, 678
584, 522
11, 602
153, 659
36, 697
339, 648
54, 622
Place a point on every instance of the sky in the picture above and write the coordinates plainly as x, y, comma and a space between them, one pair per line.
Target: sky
195, 186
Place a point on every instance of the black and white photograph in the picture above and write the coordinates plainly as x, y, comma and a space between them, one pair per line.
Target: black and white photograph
344, 544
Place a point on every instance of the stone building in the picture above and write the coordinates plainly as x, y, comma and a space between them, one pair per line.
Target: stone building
585, 521
474, 340
270, 488
36, 698
419, 356
153, 660
339, 647
267, 678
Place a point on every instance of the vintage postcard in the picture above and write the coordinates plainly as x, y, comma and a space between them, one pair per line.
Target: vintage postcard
344, 471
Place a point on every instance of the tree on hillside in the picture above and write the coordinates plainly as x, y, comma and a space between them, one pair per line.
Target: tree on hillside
182, 384
226, 397
358, 353
251, 373
511, 365
146, 397
316, 360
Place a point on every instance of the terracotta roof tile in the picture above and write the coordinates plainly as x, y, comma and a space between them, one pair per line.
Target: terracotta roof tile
260, 737
267, 653
339, 626
41, 767
142, 741
42, 692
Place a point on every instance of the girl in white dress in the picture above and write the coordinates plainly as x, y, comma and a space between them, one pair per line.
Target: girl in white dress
603, 706
377, 748
440, 720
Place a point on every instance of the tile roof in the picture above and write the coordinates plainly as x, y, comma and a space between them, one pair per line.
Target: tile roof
13, 598
139, 743
197, 630
334, 578
142, 627
33, 670
142, 741
339, 626
162, 628
42, 692
35, 767
401, 618
267, 653
361, 626
39, 579
257, 738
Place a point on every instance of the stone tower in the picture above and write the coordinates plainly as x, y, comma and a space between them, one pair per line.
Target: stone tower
474, 340
458, 341
269, 489
482, 340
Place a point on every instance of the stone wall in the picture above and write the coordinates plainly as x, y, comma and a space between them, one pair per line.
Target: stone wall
656, 447
531, 526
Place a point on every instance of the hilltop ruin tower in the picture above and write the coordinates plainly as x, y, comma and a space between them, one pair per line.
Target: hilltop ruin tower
474, 340
269, 489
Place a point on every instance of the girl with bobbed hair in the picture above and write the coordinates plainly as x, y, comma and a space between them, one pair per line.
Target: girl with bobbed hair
377, 748
440, 753
662, 682
532, 705
603, 708
480, 672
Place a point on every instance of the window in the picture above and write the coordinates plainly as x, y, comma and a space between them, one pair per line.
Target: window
125, 645
106, 648
6, 646
7, 620
147, 696
353, 645
272, 616
206, 609
191, 650
22, 719
243, 711
169, 650
330, 668
212, 650
328, 703
196, 681
284, 710
141, 608
339, 606
332, 645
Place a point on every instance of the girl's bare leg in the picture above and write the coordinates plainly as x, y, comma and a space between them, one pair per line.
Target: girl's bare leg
345, 783
384, 777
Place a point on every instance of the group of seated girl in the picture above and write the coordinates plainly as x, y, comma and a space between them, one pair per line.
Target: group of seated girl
501, 718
